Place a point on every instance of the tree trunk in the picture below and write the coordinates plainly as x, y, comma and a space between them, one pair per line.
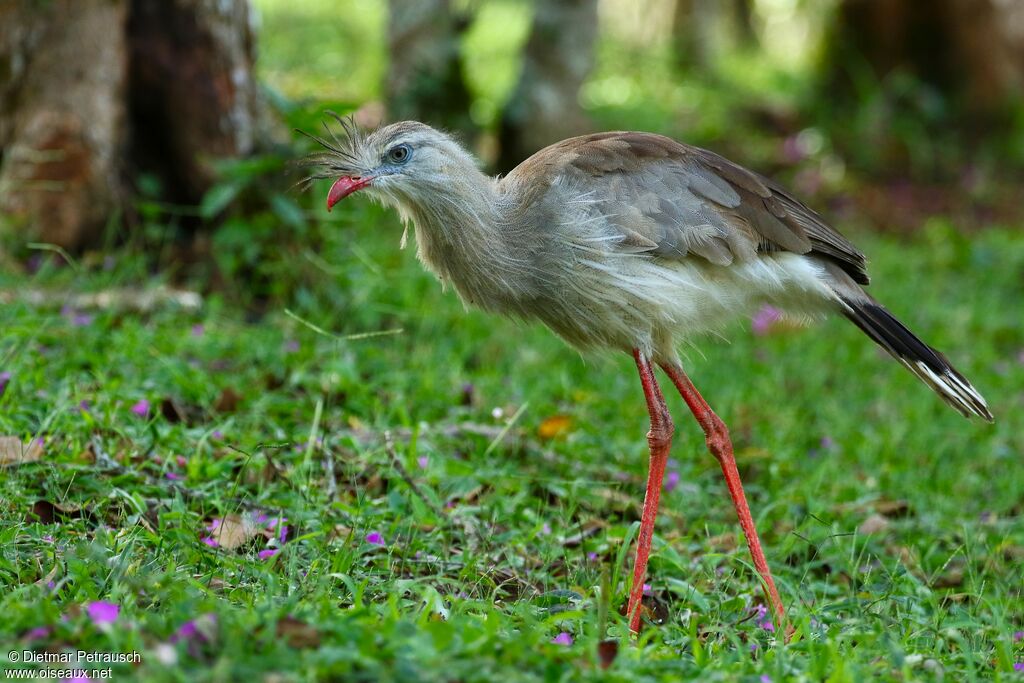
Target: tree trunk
193, 94
424, 80
559, 55
62, 115
95, 91
972, 51
692, 32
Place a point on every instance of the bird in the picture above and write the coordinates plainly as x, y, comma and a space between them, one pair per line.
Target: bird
631, 242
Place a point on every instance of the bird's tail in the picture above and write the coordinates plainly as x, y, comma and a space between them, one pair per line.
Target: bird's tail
930, 366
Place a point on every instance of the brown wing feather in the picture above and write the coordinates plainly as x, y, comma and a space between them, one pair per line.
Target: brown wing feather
671, 199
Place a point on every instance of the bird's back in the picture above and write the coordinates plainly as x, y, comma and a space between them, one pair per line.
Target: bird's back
655, 240
675, 201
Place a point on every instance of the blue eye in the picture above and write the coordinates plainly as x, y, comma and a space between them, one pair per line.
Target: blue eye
399, 154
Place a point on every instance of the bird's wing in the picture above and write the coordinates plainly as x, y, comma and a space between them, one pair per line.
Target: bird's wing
673, 200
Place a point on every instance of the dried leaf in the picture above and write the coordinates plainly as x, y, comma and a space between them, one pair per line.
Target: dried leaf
873, 524
1014, 553
172, 411
234, 531
951, 578
45, 512
297, 634
15, 452
723, 543
45, 581
228, 401
607, 651
589, 529
554, 426
892, 508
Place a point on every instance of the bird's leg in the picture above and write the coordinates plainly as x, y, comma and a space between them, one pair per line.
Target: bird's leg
717, 437
659, 440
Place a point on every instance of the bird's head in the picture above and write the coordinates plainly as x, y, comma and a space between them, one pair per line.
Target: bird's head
400, 164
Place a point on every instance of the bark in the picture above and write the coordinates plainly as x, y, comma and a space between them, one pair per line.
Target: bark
972, 51
92, 92
62, 115
193, 94
703, 28
559, 55
424, 79
692, 28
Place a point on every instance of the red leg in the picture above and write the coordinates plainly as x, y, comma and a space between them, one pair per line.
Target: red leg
659, 439
717, 436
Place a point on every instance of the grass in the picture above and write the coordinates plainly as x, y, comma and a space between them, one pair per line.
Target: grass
499, 514
511, 491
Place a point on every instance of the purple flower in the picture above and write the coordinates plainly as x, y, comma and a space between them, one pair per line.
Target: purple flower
763, 620
214, 524
291, 346
141, 408
103, 612
76, 318
193, 629
210, 541
1018, 636
423, 461
647, 589
84, 406
671, 481
563, 638
38, 632
279, 523
266, 554
592, 556
374, 538
282, 535
545, 530
198, 330
5, 379
827, 442
260, 518
186, 631
217, 434
1019, 666
174, 476
764, 319
765, 678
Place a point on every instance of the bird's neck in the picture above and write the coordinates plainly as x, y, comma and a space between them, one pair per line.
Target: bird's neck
464, 235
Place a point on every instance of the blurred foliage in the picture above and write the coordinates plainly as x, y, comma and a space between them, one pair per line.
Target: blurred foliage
757, 102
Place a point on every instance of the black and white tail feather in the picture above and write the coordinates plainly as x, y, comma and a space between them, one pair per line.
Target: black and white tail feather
930, 366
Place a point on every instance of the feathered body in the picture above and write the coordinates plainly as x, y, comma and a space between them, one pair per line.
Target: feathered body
625, 240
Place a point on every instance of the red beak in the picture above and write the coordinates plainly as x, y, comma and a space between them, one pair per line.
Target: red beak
343, 187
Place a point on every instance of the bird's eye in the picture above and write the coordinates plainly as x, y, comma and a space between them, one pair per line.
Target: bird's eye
399, 154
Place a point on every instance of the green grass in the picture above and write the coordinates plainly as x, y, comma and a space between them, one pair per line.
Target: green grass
494, 538
479, 570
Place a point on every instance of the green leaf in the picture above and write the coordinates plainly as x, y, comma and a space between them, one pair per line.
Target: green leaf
288, 211
218, 198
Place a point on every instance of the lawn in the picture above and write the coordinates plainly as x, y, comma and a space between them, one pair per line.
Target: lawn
458, 497
314, 464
